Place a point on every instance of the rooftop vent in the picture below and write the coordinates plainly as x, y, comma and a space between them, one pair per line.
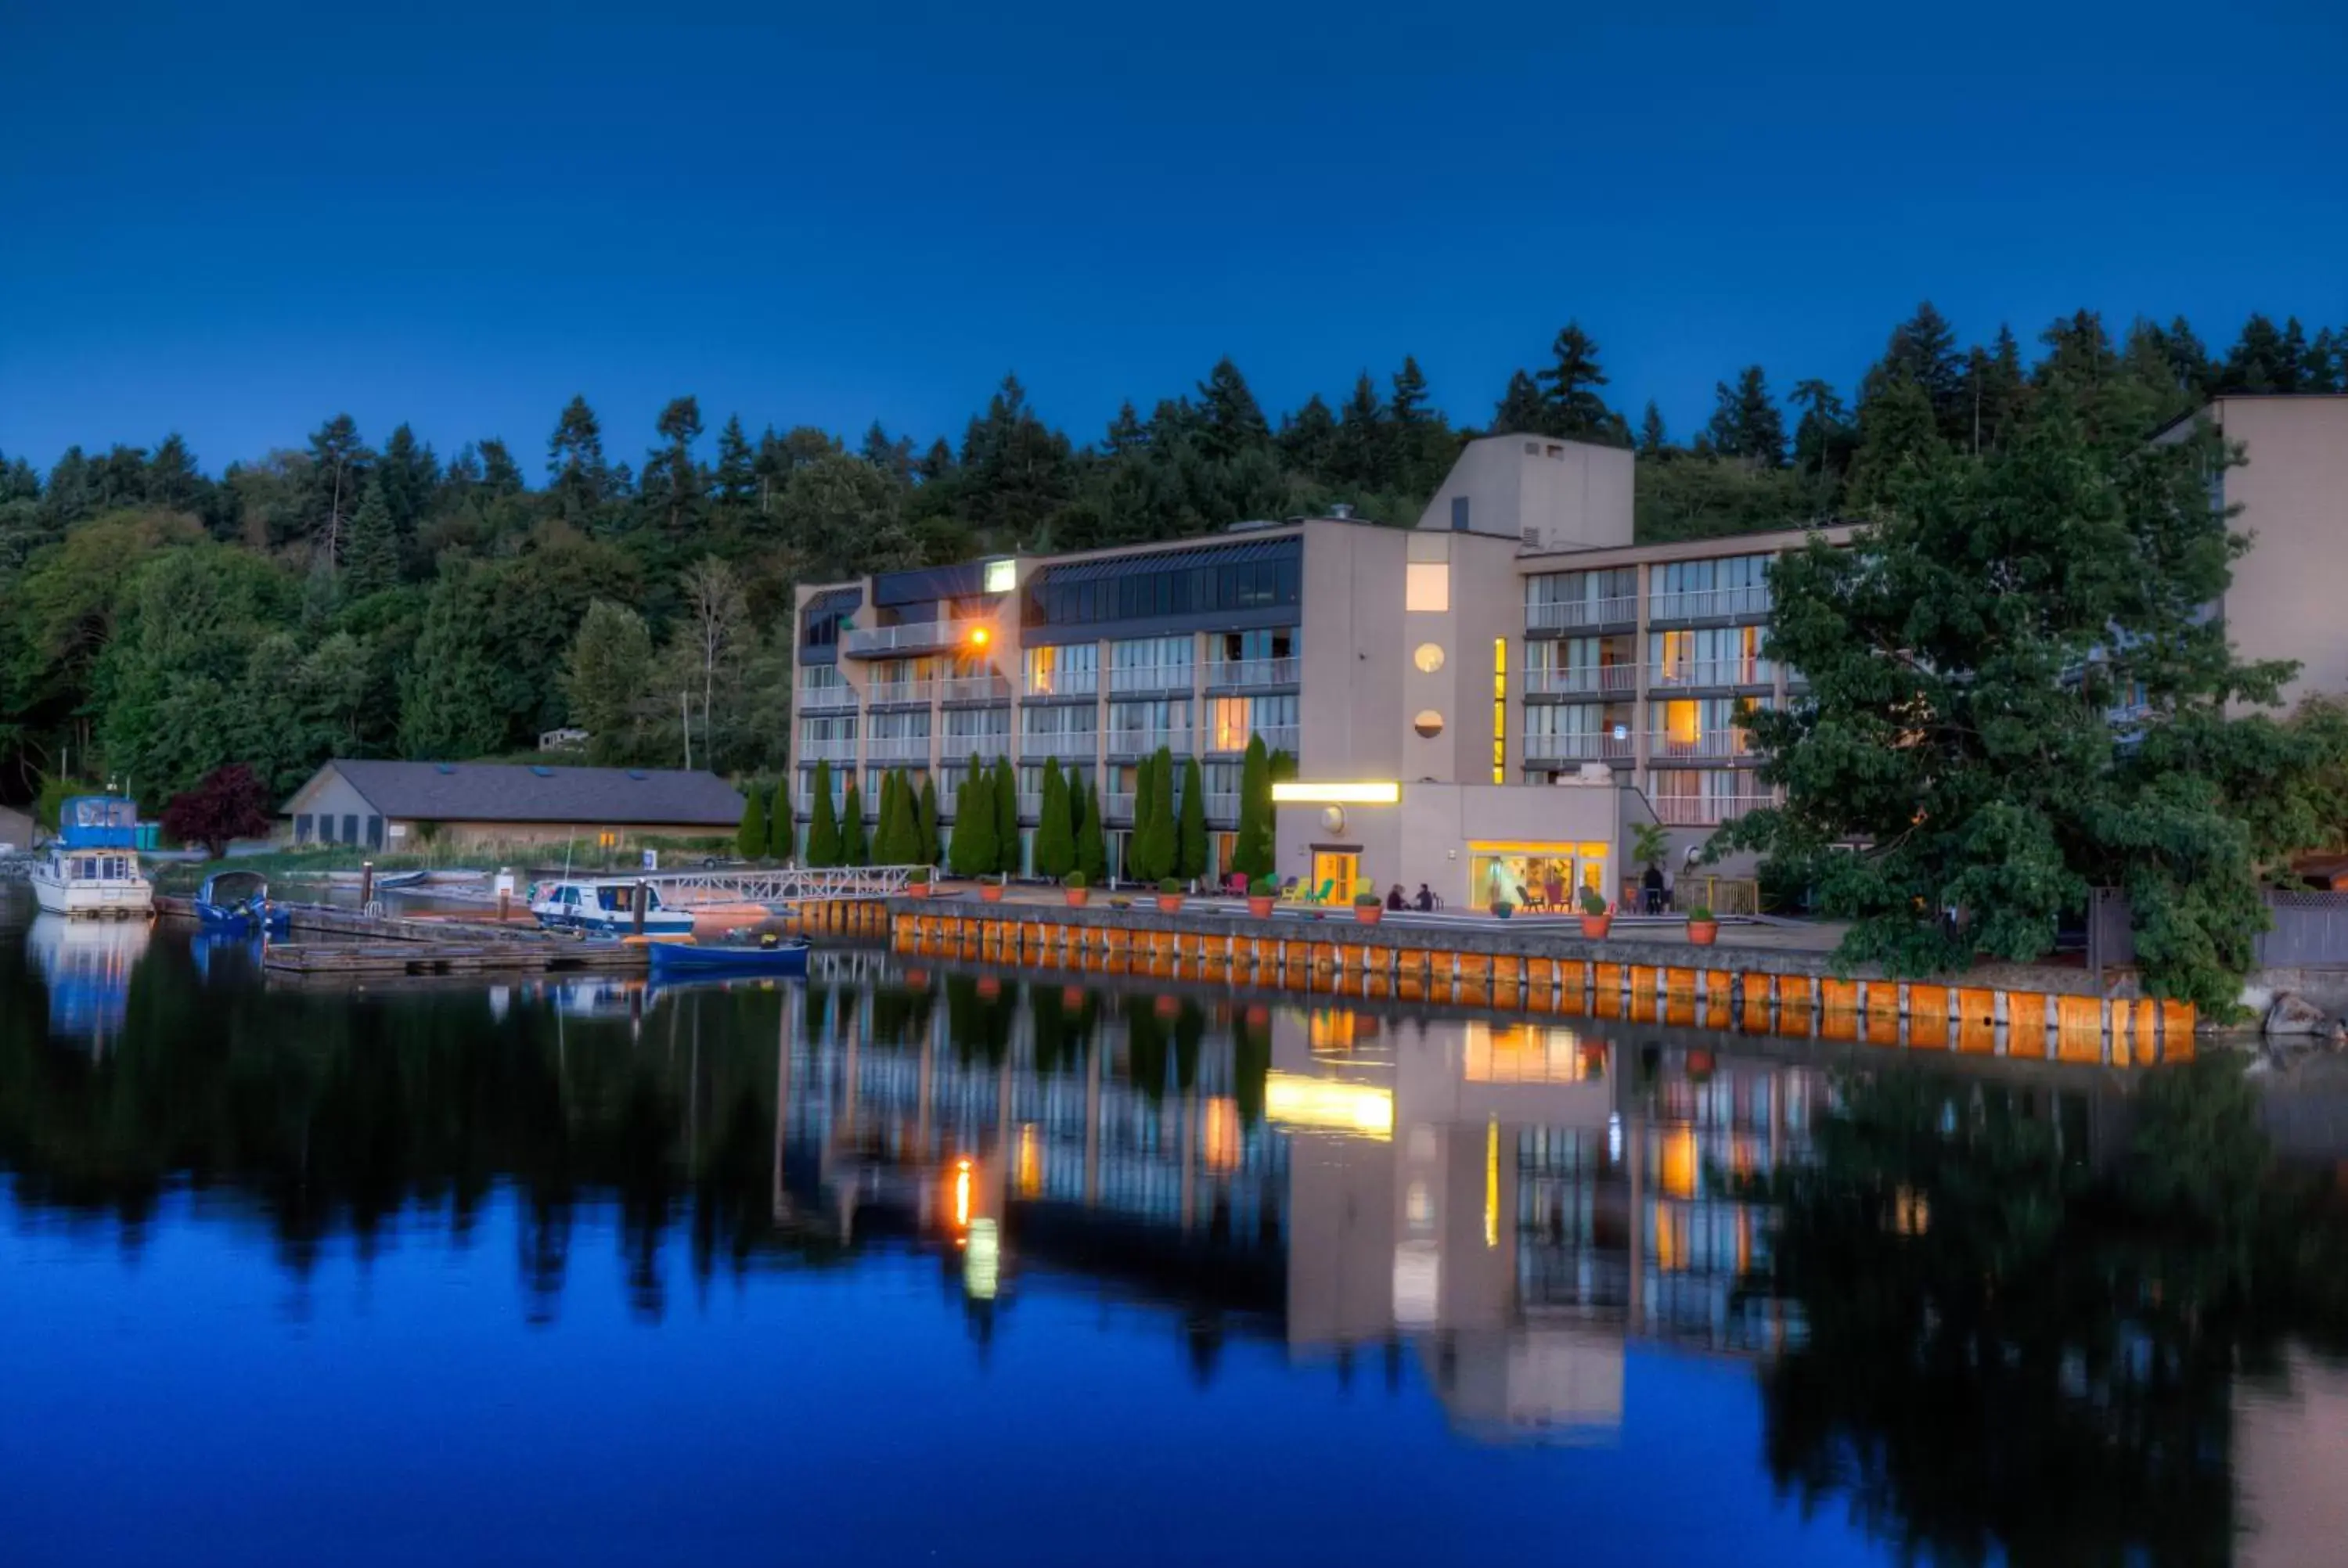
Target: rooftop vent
1340, 509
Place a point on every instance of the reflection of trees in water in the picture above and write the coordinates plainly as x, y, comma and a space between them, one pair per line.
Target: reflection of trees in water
2010, 1357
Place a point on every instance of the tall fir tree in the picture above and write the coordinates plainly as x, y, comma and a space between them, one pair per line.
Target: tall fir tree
972, 852
1308, 439
1746, 423
750, 838
926, 821
1363, 450
1192, 857
854, 847
579, 477
1235, 421
1007, 818
1056, 839
1519, 411
782, 843
371, 553
1570, 403
1653, 442
884, 840
1137, 851
823, 825
1251, 855
1092, 840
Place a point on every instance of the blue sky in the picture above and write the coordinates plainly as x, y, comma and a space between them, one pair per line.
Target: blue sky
233, 221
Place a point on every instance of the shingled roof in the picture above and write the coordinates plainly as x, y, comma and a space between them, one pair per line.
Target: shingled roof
499, 792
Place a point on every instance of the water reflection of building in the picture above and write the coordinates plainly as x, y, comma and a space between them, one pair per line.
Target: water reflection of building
86, 966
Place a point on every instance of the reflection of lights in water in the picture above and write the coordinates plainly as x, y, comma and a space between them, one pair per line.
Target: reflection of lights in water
1615, 1137
1418, 1284
962, 1194
86, 966
981, 1264
501, 1002
1031, 1161
1492, 1182
1291, 1101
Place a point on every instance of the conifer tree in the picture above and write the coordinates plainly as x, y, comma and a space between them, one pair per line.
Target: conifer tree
1091, 844
972, 852
371, 546
853, 848
1006, 817
1136, 847
781, 842
926, 823
1251, 855
1191, 860
750, 838
1056, 839
1235, 421
1519, 412
823, 825
1570, 403
1653, 443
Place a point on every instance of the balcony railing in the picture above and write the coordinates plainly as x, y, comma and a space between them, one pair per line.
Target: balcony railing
1598, 746
1222, 807
803, 800
1713, 743
1580, 614
1150, 678
1118, 807
897, 749
1078, 745
974, 689
1706, 810
827, 751
825, 699
912, 637
1031, 803
1063, 683
1143, 743
1687, 673
1276, 738
1580, 679
901, 693
1251, 672
954, 748
1710, 604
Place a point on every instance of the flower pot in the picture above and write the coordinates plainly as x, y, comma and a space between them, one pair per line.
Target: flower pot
1703, 933
1259, 905
1367, 913
990, 892
1505, 911
1170, 903
1075, 896
1595, 927
916, 890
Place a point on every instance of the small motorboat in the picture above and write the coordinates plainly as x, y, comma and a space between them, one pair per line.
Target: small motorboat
236, 903
680, 960
604, 907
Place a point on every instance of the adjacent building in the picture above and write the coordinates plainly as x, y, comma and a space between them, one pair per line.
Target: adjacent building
1482, 703
401, 805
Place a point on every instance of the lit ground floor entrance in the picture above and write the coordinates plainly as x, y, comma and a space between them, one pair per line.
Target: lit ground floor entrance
1335, 871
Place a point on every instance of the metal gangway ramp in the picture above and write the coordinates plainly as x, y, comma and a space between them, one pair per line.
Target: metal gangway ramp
777, 888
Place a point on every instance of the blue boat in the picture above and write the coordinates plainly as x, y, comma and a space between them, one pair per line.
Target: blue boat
236, 903
681, 960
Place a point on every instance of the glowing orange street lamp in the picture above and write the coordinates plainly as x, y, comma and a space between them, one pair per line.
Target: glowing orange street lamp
980, 636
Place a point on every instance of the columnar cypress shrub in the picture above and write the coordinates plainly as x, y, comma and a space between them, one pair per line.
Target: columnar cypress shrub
823, 830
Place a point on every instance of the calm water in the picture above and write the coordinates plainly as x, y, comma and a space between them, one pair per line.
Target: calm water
924, 1266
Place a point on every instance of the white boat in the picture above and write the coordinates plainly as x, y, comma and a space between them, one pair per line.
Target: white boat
92, 869
604, 908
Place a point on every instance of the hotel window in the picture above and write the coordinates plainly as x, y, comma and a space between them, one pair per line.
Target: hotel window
1151, 721
820, 677
1427, 587
1076, 775
1151, 664
970, 723
1231, 719
1067, 670
1076, 728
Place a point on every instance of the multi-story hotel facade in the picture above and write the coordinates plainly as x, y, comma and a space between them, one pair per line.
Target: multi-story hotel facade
1483, 702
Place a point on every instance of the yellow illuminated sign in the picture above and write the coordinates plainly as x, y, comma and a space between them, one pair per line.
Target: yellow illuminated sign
1293, 1100
1295, 791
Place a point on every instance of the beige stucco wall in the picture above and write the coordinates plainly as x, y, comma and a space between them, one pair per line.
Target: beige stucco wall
1570, 494
1350, 657
2289, 594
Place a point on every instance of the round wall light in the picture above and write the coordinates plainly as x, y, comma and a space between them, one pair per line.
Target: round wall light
1428, 657
1428, 723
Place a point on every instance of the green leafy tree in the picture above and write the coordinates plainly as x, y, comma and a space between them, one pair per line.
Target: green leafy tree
371, 556
1966, 658
823, 847
1006, 817
750, 838
1191, 860
855, 848
927, 822
1056, 836
1092, 842
1251, 855
609, 681
229, 804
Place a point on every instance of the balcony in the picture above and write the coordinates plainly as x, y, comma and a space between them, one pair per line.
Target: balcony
1053, 683
1145, 743
1711, 604
1031, 805
1687, 674
803, 800
1138, 678
1706, 811
825, 699
1595, 746
1276, 738
1582, 614
912, 637
1118, 807
1717, 744
1222, 807
897, 749
1226, 672
957, 748
901, 693
827, 751
1582, 679
1077, 745
974, 689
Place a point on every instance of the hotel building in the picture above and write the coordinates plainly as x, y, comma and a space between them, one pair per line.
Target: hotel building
1483, 702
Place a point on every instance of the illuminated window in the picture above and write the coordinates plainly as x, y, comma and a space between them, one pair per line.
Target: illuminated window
1428, 722
1499, 710
1682, 723
1002, 575
1427, 656
1426, 586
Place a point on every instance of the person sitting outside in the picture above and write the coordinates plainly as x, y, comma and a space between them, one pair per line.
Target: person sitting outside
1394, 896
1426, 900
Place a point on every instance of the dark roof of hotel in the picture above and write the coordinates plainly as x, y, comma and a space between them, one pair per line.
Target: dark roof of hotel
1171, 561
499, 791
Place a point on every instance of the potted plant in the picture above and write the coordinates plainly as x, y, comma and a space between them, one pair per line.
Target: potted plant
1503, 908
917, 882
1262, 892
1704, 930
1169, 896
1595, 919
1367, 907
990, 888
1075, 890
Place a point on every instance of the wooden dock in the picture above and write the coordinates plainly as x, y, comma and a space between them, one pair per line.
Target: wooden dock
389, 958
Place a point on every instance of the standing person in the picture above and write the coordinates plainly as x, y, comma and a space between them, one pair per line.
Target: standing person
1651, 886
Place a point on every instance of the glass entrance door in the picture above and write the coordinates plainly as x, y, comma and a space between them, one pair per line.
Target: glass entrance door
1334, 872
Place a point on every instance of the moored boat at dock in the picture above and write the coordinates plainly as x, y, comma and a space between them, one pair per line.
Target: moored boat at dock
92, 869
606, 907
